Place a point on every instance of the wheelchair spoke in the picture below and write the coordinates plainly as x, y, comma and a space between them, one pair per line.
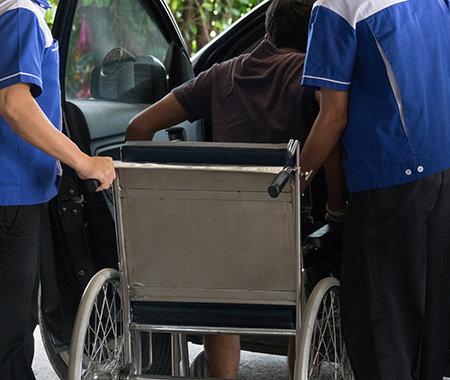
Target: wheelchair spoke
104, 347
328, 357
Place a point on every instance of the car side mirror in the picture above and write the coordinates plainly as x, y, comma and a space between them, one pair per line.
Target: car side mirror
128, 78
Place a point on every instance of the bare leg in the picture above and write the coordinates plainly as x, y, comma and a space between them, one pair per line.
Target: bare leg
222, 354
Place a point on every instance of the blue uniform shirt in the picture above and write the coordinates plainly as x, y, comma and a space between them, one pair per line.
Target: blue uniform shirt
393, 57
28, 54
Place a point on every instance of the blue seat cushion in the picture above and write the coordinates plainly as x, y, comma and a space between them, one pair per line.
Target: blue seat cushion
206, 153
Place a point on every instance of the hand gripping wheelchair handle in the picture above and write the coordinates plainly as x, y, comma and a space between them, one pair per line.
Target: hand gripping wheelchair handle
279, 182
92, 184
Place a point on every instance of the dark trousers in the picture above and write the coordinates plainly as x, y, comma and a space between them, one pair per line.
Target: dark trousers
396, 280
19, 282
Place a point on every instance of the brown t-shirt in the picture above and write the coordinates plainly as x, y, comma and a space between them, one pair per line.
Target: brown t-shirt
255, 97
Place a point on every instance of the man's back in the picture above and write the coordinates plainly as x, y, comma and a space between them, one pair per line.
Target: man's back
255, 97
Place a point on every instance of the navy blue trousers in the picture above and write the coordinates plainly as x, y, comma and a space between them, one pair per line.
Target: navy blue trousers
396, 280
19, 283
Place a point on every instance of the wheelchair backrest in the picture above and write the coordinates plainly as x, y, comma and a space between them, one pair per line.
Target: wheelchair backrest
206, 231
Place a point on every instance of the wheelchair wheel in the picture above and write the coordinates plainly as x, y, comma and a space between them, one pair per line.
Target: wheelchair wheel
97, 349
322, 351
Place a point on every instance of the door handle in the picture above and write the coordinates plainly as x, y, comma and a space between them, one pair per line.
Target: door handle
176, 134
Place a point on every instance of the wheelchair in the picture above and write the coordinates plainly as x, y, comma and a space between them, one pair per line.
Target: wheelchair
209, 242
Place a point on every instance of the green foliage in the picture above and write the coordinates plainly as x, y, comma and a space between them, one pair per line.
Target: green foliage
199, 20
50, 15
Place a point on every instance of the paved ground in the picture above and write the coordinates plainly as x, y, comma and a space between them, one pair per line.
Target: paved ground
253, 366
41, 366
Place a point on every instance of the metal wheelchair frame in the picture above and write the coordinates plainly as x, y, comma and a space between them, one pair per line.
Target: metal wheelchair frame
199, 239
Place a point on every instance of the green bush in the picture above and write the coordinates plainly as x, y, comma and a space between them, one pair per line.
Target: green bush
199, 20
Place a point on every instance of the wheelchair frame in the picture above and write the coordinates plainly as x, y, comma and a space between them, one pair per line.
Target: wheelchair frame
183, 281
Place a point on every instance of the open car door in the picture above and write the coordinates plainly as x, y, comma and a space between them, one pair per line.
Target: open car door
117, 58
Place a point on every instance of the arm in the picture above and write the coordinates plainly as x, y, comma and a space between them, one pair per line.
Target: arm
163, 114
336, 185
322, 144
34, 127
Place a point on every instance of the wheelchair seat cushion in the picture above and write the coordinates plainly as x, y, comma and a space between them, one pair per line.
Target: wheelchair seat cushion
206, 153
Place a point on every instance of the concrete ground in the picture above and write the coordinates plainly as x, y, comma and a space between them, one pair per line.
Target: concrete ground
41, 366
253, 366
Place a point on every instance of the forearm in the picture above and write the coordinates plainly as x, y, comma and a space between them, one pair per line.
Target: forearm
335, 178
318, 147
161, 115
141, 128
326, 132
34, 127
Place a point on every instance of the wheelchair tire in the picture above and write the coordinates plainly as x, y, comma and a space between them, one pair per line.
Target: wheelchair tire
58, 359
322, 353
97, 348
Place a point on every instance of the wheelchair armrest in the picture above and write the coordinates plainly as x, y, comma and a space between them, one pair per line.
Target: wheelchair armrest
323, 246
323, 237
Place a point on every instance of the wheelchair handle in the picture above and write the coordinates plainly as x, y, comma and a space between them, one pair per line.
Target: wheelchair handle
92, 184
279, 182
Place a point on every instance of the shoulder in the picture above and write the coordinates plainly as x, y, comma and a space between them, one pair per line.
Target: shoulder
26, 13
229, 63
266, 51
353, 11
10, 5
220, 72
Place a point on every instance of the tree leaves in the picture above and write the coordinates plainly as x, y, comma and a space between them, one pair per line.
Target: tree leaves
199, 20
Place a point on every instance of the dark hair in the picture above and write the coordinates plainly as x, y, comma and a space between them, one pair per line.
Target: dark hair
287, 24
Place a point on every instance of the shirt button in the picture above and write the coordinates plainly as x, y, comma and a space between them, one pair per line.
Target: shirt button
420, 169
408, 171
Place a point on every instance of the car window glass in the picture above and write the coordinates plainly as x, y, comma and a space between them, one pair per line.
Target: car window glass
116, 53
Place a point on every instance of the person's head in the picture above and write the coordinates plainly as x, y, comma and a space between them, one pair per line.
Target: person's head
287, 24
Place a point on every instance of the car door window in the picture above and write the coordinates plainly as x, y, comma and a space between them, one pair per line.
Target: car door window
116, 52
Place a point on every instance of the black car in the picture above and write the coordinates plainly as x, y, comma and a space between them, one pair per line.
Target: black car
117, 58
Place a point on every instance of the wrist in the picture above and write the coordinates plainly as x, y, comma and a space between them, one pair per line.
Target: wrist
338, 213
80, 163
336, 216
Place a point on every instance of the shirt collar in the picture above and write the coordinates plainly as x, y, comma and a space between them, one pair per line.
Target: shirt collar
43, 4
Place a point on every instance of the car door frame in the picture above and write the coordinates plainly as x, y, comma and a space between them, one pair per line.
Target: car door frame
70, 233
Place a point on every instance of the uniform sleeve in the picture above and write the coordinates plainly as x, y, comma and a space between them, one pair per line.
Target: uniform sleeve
195, 95
21, 49
331, 51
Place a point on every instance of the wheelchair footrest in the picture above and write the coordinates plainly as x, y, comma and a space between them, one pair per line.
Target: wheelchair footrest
213, 315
